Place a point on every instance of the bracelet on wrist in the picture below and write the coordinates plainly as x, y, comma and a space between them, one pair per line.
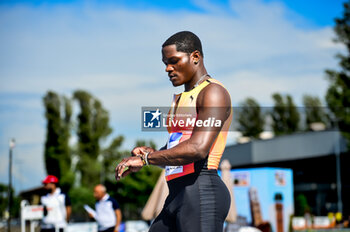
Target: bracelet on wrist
143, 160
146, 158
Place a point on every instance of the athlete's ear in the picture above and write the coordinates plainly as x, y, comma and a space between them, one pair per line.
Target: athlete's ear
196, 56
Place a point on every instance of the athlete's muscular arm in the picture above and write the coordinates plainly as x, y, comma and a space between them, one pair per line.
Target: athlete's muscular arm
212, 102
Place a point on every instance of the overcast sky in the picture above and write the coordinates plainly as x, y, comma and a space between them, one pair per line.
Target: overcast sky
112, 49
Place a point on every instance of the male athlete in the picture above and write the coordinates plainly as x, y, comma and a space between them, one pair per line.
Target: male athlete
198, 200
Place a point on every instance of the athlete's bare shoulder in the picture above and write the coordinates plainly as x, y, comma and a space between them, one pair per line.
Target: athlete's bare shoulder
214, 95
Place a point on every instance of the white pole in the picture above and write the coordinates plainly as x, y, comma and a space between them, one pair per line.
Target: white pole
32, 226
23, 221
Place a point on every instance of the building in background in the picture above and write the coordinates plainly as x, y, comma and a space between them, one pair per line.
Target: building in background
313, 158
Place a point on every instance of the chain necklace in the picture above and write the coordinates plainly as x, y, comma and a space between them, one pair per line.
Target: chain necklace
200, 79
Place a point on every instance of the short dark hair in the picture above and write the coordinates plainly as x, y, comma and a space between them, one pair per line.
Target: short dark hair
185, 41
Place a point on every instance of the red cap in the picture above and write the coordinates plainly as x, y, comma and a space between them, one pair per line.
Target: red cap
50, 179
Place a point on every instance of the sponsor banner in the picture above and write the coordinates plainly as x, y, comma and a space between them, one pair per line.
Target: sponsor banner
32, 212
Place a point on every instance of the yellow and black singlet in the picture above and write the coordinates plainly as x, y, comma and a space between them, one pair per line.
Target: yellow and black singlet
182, 118
198, 199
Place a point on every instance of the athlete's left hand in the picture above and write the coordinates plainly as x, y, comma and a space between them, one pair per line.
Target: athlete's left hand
127, 166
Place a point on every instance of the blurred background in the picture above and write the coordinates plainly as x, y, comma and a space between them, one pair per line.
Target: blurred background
75, 74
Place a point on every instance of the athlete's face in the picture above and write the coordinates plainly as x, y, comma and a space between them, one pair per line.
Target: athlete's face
179, 65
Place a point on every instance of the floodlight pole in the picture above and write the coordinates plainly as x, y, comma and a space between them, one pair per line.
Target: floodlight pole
9, 195
338, 171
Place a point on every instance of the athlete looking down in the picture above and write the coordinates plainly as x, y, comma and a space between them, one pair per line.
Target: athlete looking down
198, 200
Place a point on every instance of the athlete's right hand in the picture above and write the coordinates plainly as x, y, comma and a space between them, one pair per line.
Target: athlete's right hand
127, 166
133, 163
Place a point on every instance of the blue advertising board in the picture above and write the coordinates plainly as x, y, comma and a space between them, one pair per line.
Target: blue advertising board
264, 195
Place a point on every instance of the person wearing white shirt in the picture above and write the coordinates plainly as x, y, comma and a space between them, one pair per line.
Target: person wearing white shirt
57, 206
108, 214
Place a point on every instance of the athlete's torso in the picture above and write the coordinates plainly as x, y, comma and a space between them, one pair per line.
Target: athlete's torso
184, 107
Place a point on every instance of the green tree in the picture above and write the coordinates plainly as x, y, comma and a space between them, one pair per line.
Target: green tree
15, 202
338, 93
93, 127
111, 156
141, 142
133, 191
314, 111
301, 205
285, 116
58, 111
81, 196
250, 118
93, 162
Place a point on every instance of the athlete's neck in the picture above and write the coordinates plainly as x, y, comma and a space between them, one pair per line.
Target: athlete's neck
196, 80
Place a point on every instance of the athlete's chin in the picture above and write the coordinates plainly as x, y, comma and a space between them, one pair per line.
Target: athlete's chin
176, 82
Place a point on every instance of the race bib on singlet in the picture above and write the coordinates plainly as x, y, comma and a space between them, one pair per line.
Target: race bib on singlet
174, 139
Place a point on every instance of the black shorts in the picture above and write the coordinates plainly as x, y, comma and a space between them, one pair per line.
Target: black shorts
196, 202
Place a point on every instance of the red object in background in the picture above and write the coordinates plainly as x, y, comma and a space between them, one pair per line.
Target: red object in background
50, 179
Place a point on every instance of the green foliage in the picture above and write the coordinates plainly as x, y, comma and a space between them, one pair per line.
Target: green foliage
314, 111
3, 199
93, 127
301, 205
112, 155
338, 93
84, 194
15, 202
79, 197
134, 190
140, 143
57, 152
95, 164
285, 115
250, 118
